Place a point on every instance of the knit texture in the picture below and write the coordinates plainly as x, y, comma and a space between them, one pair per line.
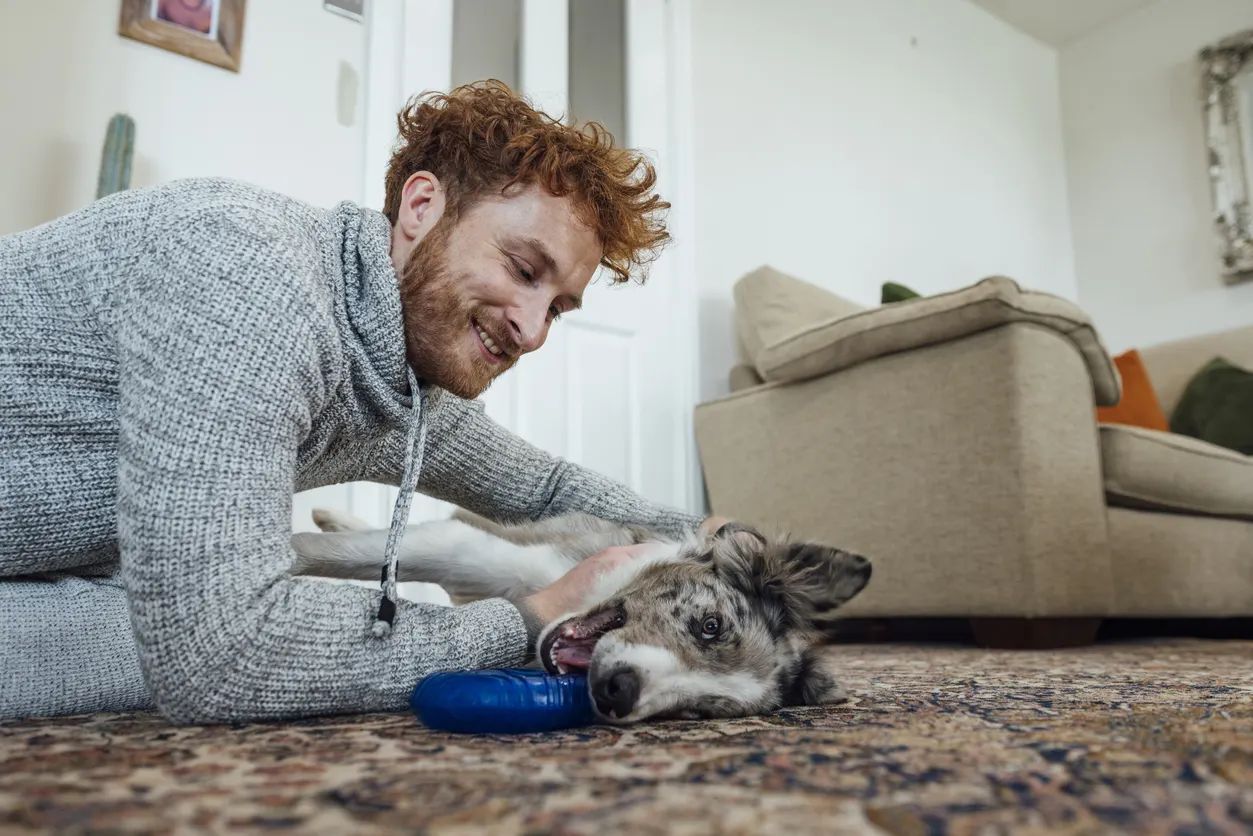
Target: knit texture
175, 363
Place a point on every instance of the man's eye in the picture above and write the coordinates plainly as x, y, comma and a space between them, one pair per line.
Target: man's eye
554, 313
523, 271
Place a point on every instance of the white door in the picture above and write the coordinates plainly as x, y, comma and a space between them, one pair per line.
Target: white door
608, 388
613, 388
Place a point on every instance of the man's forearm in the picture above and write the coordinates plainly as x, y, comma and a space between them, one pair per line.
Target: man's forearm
474, 462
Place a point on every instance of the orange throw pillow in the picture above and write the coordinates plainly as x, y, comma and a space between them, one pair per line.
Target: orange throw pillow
1139, 406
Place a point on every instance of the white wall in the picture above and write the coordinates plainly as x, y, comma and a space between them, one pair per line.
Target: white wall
1146, 257
64, 71
277, 123
853, 142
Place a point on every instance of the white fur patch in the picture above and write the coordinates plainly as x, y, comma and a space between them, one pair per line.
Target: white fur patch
465, 561
665, 682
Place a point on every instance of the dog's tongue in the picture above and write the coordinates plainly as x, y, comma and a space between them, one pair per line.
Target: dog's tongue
574, 655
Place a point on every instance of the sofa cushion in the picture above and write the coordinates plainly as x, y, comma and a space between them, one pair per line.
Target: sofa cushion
1217, 407
1139, 406
1163, 471
771, 306
1172, 365
743, 376
892, 292
794, 351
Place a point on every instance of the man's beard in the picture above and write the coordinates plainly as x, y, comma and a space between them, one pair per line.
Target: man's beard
437, 322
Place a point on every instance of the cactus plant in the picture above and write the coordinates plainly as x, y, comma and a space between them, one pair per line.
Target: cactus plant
115, 161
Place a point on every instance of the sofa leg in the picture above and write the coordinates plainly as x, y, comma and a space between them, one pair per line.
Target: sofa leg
1034, 633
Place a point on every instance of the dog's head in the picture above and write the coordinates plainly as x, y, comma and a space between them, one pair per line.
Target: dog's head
724, 631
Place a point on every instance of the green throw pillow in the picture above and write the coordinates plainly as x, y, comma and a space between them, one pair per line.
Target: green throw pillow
1217, 406
893, 292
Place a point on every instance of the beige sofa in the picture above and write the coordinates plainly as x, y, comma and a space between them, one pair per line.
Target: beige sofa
953, 440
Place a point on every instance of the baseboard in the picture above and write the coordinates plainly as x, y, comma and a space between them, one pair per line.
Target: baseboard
958, 630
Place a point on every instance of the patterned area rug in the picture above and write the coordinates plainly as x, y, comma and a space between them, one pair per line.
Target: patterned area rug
1151, 737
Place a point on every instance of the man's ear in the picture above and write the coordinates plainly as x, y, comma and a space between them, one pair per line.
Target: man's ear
823, 578
422, 204
813, 683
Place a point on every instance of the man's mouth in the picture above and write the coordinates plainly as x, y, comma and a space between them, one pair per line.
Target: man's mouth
569, 646
495, 353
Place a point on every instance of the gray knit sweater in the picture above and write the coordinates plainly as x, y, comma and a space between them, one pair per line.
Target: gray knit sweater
175, 362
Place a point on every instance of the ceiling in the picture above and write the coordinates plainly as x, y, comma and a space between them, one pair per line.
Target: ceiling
1057, 22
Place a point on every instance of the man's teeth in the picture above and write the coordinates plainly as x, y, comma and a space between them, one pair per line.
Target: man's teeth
487, 341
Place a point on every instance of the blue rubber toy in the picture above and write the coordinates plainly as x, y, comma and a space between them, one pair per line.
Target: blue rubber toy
503, 701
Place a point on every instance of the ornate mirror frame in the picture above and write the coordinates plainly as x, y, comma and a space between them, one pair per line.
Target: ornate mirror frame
1227, 78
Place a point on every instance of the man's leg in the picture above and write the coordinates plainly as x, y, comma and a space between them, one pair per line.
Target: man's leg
66, 647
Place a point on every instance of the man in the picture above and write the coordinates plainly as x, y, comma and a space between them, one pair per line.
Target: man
176, 361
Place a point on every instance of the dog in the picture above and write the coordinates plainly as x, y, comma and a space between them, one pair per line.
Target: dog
701, 627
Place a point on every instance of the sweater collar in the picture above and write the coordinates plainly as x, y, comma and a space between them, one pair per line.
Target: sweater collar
375, 334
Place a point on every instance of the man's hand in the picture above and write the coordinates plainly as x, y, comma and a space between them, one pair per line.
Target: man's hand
569, 592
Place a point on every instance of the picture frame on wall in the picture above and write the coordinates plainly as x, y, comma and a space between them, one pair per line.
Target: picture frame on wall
1227, 97
211, 31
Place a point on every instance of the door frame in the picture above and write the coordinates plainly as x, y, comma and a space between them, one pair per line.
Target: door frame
409, 51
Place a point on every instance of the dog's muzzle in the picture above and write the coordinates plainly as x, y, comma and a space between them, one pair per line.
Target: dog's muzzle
569, 645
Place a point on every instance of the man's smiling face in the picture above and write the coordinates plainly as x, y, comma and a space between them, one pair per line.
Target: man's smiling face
479, 293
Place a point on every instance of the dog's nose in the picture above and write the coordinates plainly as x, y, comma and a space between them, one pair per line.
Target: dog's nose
615, 694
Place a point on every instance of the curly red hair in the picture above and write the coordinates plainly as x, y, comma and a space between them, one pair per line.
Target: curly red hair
483, 138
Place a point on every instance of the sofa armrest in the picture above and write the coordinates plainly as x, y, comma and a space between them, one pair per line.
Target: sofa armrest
841, 342
967, 471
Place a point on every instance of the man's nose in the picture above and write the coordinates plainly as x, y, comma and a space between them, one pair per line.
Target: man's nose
529, 326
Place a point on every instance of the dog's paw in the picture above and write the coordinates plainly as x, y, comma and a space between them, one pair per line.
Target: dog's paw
337, 521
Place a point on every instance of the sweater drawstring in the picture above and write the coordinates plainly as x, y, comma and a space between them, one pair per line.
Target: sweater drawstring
415, 444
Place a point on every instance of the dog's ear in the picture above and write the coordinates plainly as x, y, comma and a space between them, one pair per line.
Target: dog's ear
812, 683
821, 579
798, 585
742, 535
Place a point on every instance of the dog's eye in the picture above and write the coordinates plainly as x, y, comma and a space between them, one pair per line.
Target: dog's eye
710, 627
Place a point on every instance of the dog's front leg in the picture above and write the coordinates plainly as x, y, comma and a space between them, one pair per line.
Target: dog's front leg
467, 562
